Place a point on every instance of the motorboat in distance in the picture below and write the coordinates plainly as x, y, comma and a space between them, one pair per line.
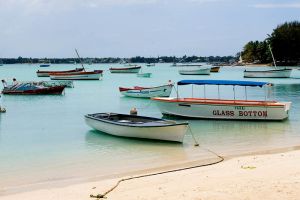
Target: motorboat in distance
134, 69
41, 73
147, 92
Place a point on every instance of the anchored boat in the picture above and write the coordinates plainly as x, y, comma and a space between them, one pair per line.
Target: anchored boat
32, 88
137, 126
200, 71
135, 69
67, 83
215, 69
144, 75
147, 92
47, 73
223, 108
94, 75
45, 65
272, 73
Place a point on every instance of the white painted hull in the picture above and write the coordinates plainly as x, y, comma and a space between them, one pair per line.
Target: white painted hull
162, 91
202, 71
68, 84
168, 133
170, 106
268, 74
76, 77
125, 71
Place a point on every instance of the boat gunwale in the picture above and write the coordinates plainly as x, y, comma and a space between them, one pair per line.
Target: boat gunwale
76, 73
135, 125
249, 103
123, 68
124, 89
65, 71
268, 71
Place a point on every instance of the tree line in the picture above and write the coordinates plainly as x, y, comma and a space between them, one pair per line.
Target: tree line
284, 43
137, 59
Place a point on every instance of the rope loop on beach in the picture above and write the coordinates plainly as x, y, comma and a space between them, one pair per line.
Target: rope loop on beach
103, 196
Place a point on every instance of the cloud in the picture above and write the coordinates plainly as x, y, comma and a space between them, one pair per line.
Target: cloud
277, 5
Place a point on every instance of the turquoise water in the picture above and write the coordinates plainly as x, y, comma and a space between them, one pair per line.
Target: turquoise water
44, 139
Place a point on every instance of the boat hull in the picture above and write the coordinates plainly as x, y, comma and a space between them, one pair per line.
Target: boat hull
215, 69
125, 70
76, 76
45, 65
56, 90
161, 91
285, 73
144, 75
168, 133
224, 109
205, 71
68, 84
47, 73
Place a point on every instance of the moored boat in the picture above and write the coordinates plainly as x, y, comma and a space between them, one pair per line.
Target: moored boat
199, 71
47, 73
144, 75
134, 69
215, 69
150, 64
137, 126
32, 89
223, 108
94, 75
272, 73
45, 65
67, 83
147, 92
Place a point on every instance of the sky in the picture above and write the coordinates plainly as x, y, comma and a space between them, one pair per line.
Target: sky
127, 28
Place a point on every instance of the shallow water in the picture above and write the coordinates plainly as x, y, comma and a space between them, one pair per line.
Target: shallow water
44, 138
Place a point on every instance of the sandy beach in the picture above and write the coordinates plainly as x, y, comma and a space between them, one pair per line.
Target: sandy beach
270, 176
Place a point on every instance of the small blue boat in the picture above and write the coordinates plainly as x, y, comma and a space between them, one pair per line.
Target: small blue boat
45, 65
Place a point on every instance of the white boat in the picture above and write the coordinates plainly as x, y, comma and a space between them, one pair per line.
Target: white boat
199, 71
144, 75
134, 69
137, 126
150, 64
223, 108
47, 73
147, 92
273, 73
94, 75
68, 84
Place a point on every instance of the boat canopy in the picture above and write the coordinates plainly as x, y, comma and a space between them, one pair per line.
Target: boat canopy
222, 82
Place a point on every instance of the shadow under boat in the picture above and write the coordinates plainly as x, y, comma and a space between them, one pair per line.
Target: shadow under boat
100, 138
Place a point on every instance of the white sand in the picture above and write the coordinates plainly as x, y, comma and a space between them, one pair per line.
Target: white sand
273, 176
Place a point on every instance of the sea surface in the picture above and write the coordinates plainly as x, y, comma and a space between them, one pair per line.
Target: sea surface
44, 139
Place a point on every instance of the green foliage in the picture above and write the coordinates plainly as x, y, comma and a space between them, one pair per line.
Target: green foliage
137, 59
284, 42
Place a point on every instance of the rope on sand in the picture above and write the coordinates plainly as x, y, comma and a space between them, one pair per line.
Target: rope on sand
103, 195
